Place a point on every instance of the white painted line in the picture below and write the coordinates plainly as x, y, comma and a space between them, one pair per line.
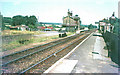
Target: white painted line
77, 46
49, 69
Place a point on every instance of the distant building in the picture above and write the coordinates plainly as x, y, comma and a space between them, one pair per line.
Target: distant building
47, 26
72, 23
107, 26
19, 27
103, 26
43, 28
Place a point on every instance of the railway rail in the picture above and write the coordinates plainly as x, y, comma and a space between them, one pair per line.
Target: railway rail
44, 64
25, 60
24, 53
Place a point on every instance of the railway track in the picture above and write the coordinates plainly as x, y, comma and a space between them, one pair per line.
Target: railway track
24, 53
45, 63
21, 60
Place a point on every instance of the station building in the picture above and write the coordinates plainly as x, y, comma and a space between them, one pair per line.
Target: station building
71, 23
108, 24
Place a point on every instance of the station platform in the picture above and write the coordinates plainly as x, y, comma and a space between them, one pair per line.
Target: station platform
90, 56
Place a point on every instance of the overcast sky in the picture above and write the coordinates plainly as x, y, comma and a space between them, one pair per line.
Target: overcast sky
53, 10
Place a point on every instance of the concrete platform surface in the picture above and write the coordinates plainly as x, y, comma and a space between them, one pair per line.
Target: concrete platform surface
65, 66
88, 57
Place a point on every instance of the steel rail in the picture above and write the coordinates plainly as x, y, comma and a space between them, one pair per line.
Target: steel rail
32, 53
34, 47
29, 49
50, 56
38, 51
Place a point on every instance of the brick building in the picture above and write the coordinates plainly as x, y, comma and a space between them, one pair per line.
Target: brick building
71, 23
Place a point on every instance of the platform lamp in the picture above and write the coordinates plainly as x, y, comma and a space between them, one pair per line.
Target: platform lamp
112, 21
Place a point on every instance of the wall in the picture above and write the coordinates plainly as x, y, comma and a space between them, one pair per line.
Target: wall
113, 41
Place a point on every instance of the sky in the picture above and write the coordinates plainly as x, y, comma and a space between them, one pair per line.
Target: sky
89, 11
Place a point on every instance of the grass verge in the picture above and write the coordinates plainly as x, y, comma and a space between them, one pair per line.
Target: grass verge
15, 44
16, 32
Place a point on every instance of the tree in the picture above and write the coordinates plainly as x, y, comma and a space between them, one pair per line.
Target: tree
90, 26
18, 20
26, 20
32, 20
7, 20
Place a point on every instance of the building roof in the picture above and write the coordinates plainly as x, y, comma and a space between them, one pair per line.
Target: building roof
68, 16
72, 17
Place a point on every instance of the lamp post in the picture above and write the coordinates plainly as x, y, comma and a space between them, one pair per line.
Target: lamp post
112, 20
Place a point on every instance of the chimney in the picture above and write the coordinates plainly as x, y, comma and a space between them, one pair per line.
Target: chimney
71, 13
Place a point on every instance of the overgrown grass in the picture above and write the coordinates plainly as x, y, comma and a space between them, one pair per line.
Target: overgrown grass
70, 33
13, 45
43, 39
16, 32
16, 43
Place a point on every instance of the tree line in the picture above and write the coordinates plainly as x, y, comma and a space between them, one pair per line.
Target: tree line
91, 26
30, 21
